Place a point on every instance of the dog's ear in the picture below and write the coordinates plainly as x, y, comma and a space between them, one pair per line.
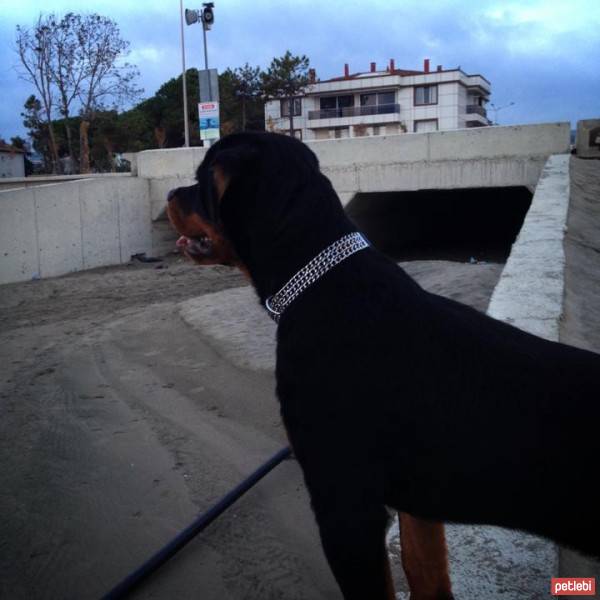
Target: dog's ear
235, 161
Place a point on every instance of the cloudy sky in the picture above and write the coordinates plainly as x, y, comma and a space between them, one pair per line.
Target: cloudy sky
543, 55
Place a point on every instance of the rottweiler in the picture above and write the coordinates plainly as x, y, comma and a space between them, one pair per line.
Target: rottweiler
392, 396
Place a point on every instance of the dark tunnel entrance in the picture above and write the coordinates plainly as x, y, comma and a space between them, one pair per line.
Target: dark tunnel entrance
457, 225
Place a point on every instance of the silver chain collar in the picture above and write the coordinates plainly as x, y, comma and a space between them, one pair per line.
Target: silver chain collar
316, 268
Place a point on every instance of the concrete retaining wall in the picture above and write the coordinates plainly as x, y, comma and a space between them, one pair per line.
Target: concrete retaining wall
49, 230
55, 229
15, 183
460, 144
530, 292
465, 158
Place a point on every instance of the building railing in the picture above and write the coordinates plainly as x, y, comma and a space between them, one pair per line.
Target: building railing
476, 109
353, 111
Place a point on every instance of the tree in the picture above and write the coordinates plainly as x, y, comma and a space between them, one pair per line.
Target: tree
285, 78
38, 130
105, 79
247, 86
164, 115
67, 71
78, 58
37, 53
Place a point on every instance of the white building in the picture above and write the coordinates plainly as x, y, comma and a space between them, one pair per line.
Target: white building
12, 161
383, 103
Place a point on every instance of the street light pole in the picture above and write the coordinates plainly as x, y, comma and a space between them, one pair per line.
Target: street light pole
209, 110
206, 60
186, 123
497, 109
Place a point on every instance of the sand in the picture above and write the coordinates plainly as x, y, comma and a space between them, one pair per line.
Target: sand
133, 397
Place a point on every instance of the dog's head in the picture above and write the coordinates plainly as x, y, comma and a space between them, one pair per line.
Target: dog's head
259, 199
193, 212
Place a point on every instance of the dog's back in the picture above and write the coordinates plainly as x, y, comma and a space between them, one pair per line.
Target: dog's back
472, 420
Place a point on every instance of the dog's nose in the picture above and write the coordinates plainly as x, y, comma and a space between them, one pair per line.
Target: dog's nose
171, 195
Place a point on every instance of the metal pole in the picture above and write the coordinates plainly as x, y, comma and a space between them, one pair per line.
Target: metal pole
165, 553
210, 96
186, 123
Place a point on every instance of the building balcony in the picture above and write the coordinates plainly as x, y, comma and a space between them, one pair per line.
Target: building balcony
476, 116
475, 109
353, 111
380, 114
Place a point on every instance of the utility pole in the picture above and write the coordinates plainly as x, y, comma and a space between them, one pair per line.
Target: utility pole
209, 107
186, 123
207, 15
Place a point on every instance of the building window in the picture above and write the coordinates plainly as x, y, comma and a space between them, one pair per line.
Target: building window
375, 98
426, 94
285, 107
328, 102
378, 103
336, 106
426, 125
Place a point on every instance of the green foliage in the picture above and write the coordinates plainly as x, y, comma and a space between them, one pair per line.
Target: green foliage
34, 121
18, 142
163, 114
286, 76
157, 122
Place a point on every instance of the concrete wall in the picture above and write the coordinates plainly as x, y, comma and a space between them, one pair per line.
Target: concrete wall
530, 292
49, 230
15, 183
465, 158
55, 229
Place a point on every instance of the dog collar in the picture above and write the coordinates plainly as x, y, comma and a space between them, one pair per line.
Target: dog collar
316, 268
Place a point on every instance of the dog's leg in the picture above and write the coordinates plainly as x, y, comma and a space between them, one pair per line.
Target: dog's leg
357, 555
346, 489
425, 558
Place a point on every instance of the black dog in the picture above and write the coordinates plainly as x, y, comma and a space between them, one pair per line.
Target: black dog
393, 396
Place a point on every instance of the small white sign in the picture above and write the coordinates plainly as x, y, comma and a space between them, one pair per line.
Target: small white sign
208, 113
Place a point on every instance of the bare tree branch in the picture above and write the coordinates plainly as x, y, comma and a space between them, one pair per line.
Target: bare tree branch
36, 53
105, 79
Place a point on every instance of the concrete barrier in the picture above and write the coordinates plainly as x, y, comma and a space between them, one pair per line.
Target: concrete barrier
518, 141
56, 229
464, 158
49, 230
15, 183
461, 144
530, 292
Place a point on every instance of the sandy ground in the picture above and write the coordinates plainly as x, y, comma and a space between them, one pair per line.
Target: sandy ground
134, 397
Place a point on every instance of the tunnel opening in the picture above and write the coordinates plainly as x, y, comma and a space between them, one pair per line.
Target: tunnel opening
460, 225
